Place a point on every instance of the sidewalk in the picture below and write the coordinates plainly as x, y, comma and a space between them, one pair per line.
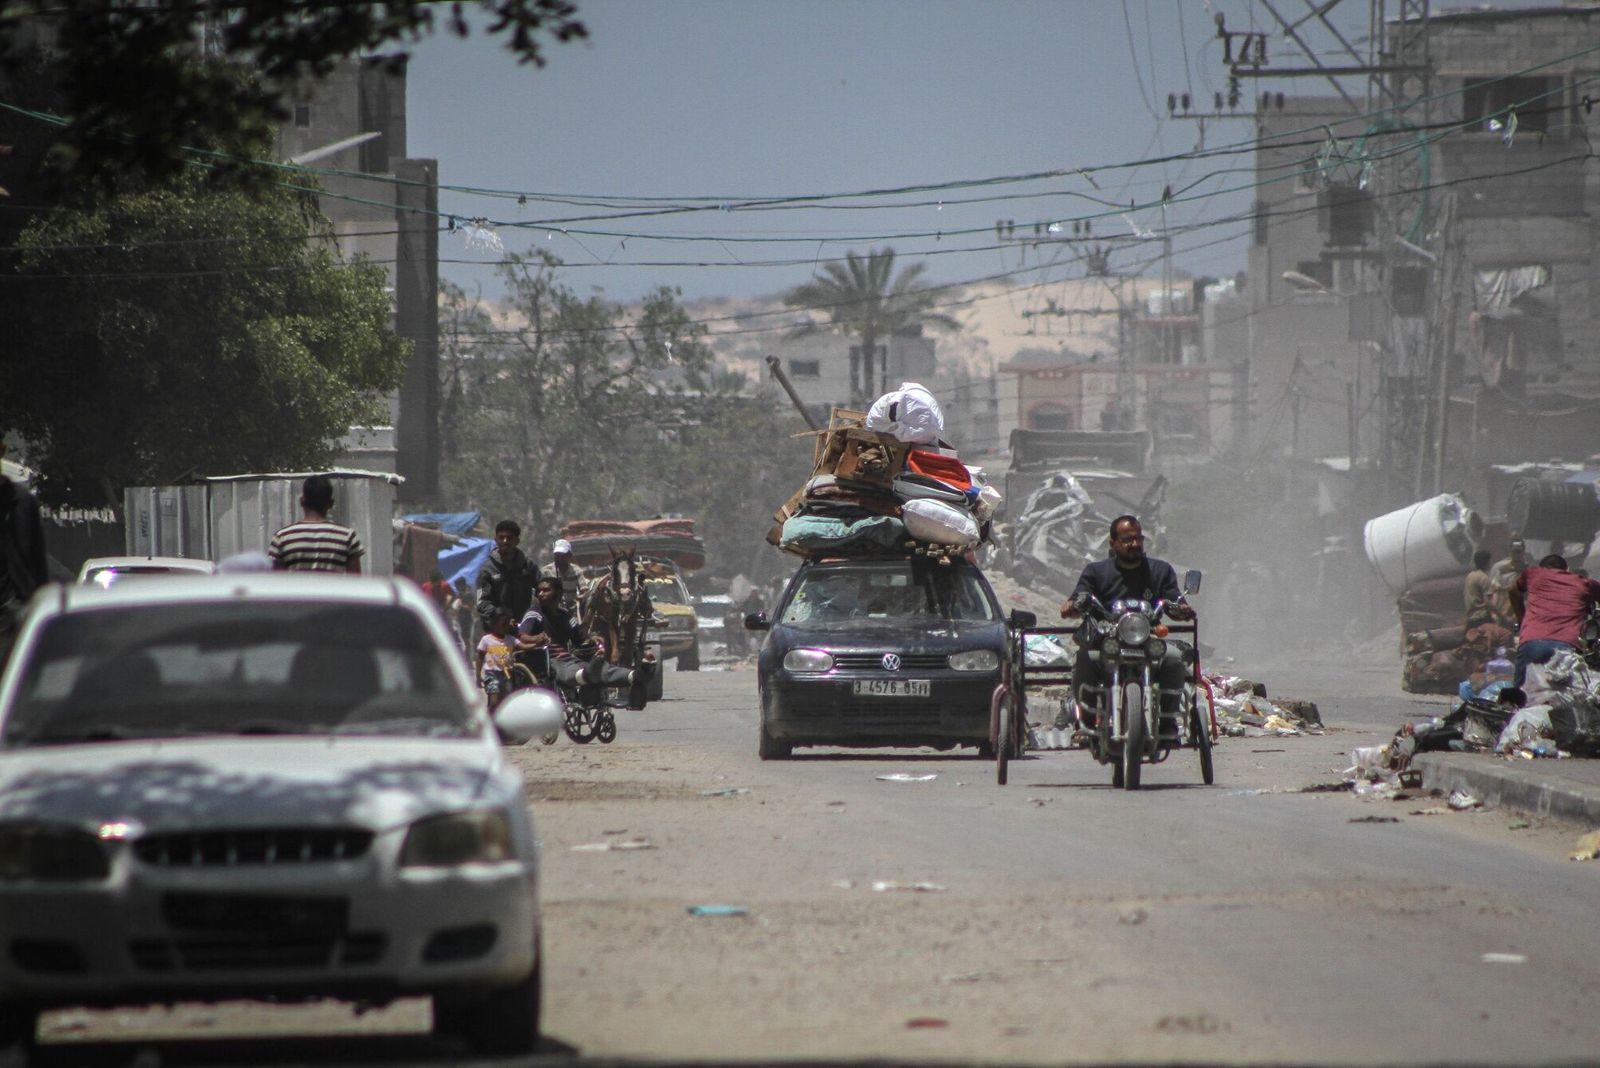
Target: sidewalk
1565, 789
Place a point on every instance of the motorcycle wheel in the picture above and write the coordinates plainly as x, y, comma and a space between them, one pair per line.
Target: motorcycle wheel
1202, 741
1004, 744
1133, 749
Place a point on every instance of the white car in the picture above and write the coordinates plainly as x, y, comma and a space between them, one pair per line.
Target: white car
104, 570
266, 786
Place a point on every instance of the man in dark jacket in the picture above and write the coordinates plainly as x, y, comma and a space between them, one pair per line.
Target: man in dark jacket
507, 579
1129, 575
22, 560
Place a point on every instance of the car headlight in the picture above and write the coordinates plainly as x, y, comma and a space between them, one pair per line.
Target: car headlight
51, 854
1133, 630
482, 837
975, 660
807, 660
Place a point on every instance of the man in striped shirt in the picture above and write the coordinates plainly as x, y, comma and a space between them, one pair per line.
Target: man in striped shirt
314, 543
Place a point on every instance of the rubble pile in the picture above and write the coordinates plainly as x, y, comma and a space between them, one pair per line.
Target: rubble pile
885, 482
1060, 527
1242, 710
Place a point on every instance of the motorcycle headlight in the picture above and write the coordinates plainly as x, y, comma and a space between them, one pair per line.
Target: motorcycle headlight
1109, 648
1157, 648
975, 660
807, 660
51, 854
1133, 630
482, 837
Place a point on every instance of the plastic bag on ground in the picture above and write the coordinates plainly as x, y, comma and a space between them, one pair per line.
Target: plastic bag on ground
1043, 650
909, 413
1530, 726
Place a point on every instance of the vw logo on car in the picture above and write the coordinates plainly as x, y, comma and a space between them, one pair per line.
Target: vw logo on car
891, 662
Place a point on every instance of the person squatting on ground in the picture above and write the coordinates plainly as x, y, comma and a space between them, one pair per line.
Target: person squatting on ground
507, 578
316, 543
1483, 633
1552, 604
551, 627
1129, 575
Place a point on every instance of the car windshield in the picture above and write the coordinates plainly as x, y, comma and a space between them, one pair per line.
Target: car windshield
665, 590
173, 670
889, 590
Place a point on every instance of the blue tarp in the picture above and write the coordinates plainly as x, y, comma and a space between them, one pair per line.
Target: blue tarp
460, 524
465, 559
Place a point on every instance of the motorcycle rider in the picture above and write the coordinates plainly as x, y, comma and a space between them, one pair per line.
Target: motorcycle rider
508, 576
1128, 574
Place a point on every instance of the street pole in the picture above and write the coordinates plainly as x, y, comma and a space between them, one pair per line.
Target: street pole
788, 387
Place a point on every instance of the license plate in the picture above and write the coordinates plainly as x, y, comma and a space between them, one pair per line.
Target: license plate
893, 687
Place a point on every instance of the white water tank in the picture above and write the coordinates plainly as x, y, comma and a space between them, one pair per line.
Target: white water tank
1434, 538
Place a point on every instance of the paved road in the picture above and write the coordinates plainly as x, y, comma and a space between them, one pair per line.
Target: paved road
1065, 921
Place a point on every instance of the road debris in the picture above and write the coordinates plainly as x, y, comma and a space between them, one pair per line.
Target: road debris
1505, 958
718, 910
1375, 819
917, 1023
1461, 800
890, 886
901, 776
607, 847
728, 791
1588, 847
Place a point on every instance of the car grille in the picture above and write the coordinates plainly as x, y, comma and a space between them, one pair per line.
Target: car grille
273, 845
213, 932
874, 661
219, 953
881, 712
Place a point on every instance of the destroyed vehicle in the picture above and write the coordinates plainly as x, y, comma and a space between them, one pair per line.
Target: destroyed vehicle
880, 651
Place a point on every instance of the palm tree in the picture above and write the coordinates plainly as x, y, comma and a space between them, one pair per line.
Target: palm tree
860, 299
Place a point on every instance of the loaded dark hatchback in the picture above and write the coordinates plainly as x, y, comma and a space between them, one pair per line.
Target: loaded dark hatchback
880, 652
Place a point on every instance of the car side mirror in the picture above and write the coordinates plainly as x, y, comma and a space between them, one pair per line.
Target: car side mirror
757, 621
1023, 620
528, 714
1191, 581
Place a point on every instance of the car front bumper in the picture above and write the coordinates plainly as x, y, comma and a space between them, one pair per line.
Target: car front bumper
803, 709
338, 929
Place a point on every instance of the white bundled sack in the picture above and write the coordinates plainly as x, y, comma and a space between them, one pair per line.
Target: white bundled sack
939, 523
988, 497
909, 413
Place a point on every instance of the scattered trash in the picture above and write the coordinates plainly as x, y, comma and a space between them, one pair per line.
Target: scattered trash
1133, 917
1519, 825
1375, 819
1461, 800
966, 977
889, 885
900, 776
1328, 788
1588, 847
730, 791
1383, 790
607, 847
718, 910
1505, 958
1433, 810
1269, 750
922, 1022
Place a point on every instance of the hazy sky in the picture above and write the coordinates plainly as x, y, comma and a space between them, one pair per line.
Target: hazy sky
708, 104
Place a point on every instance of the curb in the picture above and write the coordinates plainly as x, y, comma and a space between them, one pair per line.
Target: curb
1515, 786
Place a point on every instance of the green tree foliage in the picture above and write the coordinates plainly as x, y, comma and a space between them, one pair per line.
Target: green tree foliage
582, 409
143, 83
864, 299
190, 331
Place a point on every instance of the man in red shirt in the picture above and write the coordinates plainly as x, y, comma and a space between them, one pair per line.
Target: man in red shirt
1552, 603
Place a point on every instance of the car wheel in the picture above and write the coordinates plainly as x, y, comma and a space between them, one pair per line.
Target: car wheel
503, 1022
689, 659
770, 748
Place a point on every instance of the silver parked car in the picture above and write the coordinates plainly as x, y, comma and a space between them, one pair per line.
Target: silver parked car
268, 786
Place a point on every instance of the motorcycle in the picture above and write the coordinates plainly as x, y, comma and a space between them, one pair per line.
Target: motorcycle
1129, 728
